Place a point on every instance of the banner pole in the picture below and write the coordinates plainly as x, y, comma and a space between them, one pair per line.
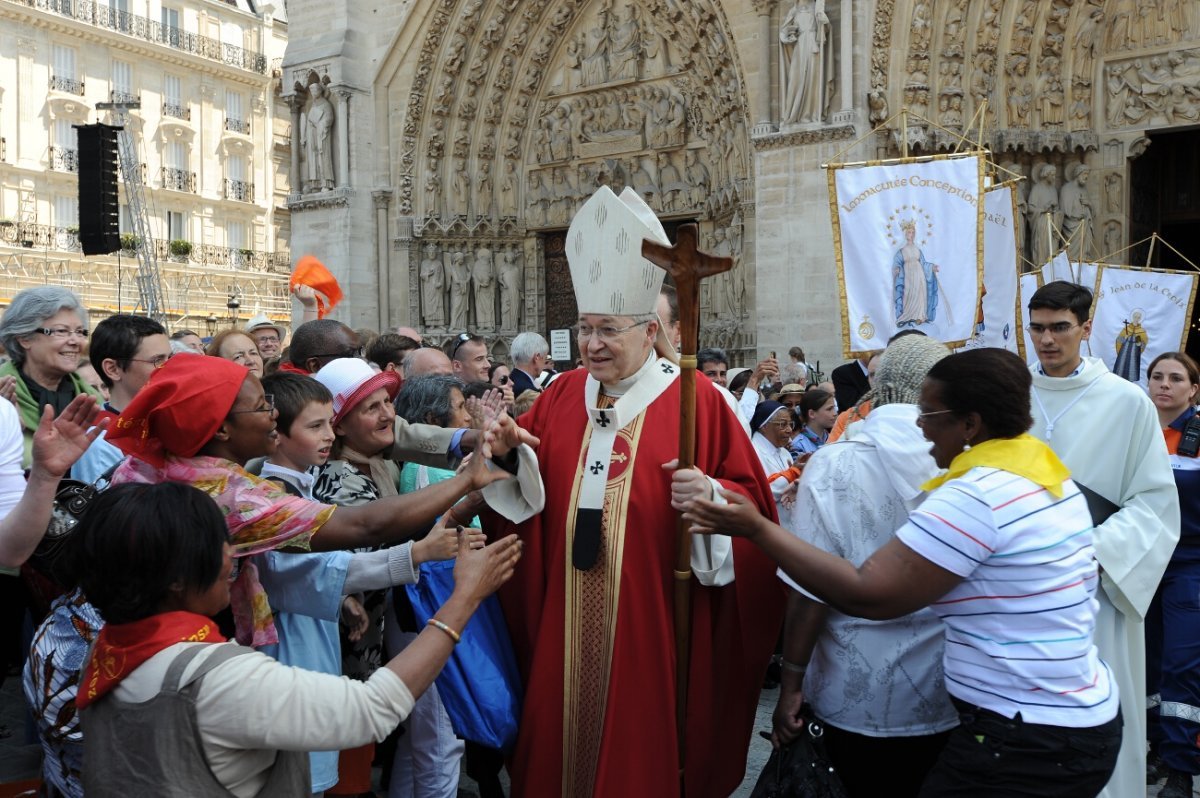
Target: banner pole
1150, 254
904, 132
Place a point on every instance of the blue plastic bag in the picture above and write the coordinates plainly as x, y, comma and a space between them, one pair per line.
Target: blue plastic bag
480, 685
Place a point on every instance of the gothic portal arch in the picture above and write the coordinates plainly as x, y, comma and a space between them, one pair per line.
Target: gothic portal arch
503, 116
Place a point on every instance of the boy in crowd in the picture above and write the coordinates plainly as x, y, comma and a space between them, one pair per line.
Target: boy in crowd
310, 591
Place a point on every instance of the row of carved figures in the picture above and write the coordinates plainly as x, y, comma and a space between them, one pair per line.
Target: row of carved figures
451, 276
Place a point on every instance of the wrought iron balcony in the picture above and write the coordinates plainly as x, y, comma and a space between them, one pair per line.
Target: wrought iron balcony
123, 97
240, 190
40, 236
3, 149
141, 172
237, 125
178, 179
64, 160
101, 15
68, 85
177, 111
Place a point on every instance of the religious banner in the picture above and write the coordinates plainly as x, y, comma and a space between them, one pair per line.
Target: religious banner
1139, 314
996, 322
908, 240
1028, 286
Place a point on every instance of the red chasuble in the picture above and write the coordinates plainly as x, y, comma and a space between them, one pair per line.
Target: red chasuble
596, 647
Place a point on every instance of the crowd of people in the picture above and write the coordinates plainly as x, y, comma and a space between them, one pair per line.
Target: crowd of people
978, 576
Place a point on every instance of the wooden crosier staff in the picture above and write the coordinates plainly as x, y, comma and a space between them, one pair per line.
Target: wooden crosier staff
687, 266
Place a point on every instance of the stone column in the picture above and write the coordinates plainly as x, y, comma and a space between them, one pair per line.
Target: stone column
767, 46
383, 200
343, 138
296, 179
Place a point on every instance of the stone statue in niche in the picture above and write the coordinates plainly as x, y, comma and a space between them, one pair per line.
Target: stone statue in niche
1112, 192
433, 189
562, 197
537, 200
483, 186
671, 185
1118, 88
1022, 195
462, 182
317, 142
983, 81
483, 274
560, 134
1086, 40
508, 187
509, 273
644, 183
1050, 93
1112, 238
877, 102
433, 288
460, 286
920, 27
1080, 117
697, 176
1043, 201
1122, 24
806, 59
1077, 213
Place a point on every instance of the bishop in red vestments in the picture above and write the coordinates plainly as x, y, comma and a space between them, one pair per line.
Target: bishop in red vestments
590, 607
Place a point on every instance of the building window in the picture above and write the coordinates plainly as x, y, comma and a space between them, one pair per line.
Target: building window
65, 235
64, 155
171, 32
116, 16
63, 77
235, 117
175, 173
176, 226
237, 186
122, 82
173, 104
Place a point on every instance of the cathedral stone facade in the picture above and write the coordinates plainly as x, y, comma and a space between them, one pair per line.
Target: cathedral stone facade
465, 133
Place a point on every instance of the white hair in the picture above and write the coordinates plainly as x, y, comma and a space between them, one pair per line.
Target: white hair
526, 346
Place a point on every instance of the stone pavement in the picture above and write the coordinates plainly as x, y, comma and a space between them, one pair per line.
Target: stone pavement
20, 760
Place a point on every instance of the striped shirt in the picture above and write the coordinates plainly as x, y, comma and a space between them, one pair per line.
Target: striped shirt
1019, 626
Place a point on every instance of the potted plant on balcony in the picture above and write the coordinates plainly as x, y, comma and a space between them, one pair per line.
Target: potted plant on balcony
129, 242
180, 249
72, 229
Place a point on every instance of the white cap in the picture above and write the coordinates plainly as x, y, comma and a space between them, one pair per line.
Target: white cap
351, 380
604, 250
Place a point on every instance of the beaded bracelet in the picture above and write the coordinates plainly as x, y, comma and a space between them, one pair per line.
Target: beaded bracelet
435, 623
793, 667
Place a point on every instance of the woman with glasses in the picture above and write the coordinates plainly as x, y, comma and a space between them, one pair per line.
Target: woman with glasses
1001, 550
236, 346
770, 430
44, 332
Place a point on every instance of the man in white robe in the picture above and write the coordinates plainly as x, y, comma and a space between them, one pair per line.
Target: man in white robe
1105, 429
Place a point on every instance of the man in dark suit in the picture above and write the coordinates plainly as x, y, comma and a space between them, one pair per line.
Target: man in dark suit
850, 382
530, 354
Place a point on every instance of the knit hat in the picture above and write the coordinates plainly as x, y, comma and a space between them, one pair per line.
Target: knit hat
351, 380
179, 409
902, 369
764, 413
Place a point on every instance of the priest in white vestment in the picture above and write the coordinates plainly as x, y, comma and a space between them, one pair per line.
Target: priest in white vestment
1105, 429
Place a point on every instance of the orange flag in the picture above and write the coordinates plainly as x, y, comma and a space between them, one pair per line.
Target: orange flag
311, 272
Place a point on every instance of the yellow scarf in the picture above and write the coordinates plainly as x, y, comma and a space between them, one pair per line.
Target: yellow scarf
1023, 455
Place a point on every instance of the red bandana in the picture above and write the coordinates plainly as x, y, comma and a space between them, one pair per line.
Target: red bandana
287, 366
122, 648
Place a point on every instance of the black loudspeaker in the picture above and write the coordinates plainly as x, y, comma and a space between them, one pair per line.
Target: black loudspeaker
99, 221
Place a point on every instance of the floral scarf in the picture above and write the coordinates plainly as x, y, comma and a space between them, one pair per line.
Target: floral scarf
261, 516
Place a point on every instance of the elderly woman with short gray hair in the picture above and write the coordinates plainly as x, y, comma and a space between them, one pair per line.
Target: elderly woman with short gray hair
44, 332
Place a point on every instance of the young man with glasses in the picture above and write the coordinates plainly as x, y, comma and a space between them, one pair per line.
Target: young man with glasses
591, 605
125, 351
1105, 429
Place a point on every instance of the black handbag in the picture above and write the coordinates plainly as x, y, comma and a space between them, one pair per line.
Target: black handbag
71, 501
800, 769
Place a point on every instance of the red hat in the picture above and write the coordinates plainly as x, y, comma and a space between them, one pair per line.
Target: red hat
351, 380
179, 409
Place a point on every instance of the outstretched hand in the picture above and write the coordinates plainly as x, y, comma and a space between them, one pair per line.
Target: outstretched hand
442, 541
478, 573
687, 485
59, 442
306, 294
509, 435
739, 518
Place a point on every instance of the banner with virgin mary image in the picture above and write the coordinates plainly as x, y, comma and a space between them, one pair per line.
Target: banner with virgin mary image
1139, 314
908, 240
996, 320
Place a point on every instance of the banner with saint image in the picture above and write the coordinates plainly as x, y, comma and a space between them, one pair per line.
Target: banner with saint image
996, 321
908, 240
1139, 314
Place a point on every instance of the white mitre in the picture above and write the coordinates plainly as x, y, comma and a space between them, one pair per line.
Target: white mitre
604, 250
